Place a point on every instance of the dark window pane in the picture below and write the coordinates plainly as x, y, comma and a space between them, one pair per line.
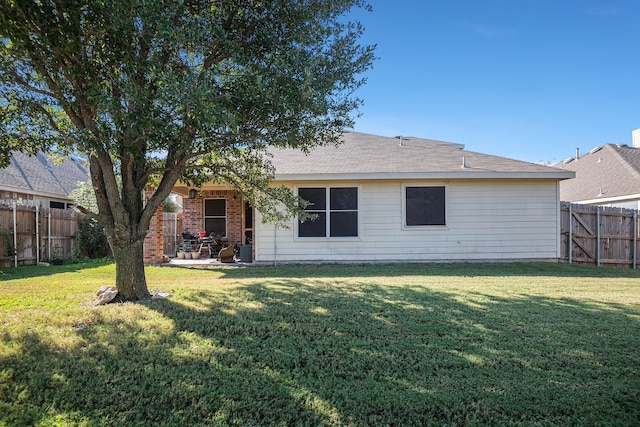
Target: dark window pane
425, 206
215, 207
344, 198
217, 226
317, 197
344, 224
248, 215
313, 228
56, 205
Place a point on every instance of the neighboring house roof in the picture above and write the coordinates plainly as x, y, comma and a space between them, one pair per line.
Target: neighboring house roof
38, 175
605, 174
363, 156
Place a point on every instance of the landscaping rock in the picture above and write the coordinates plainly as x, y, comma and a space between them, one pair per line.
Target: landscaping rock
160, 294
106, 294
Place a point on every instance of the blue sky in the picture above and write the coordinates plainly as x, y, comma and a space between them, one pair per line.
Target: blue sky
527, 79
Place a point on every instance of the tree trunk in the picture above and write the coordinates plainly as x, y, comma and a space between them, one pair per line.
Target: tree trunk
130, 278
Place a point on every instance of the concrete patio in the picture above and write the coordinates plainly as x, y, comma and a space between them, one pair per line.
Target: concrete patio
204, 262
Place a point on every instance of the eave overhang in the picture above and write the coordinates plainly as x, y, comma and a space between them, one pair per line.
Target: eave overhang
610, 199
34, 192
465, 174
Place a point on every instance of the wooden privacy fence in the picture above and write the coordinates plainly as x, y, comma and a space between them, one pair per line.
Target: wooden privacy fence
30, 234
172, 234
599, 235
589, 234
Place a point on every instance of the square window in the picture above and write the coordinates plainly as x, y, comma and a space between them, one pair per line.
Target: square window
316, 197
344, 199
336, 212
344, 224
215, 207
425, 206
313, 227
215, 226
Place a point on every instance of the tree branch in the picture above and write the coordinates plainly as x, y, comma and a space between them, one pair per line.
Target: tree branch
215, 56
107, 195
58, 95
50, 118
162, 192
87, 212
22, 82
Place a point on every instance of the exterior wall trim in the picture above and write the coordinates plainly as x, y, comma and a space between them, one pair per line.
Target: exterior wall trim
421, 176
603, 200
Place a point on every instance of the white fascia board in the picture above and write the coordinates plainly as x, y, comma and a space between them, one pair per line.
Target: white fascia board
601, 200
35, 193
418, 175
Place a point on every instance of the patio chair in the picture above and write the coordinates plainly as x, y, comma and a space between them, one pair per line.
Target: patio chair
226, 254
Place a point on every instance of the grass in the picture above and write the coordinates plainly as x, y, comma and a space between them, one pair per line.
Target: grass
443, 344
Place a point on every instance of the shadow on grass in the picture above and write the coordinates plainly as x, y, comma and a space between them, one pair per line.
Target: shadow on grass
29, 271
515, 269
305, 352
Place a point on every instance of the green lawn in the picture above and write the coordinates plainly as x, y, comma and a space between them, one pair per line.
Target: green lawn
443, 344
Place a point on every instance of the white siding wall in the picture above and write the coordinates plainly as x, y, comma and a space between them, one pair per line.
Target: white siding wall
486, 220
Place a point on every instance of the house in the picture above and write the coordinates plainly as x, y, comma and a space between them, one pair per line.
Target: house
385, 199
608, 175
37, 179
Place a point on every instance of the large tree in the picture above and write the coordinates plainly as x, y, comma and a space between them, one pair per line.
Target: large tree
156, 91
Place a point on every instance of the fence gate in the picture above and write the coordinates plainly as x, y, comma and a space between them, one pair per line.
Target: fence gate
599, 235
172, 226
30, 233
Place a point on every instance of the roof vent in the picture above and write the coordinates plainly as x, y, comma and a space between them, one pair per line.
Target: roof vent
595, 150
402, 138
621, 145
568, 160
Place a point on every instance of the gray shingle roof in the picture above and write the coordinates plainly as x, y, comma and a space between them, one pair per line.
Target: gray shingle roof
39, 175
369, 156
612, 171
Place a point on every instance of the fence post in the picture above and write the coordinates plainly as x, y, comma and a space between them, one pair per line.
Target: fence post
37, 235
635, 238
598, 236
570, 234
15, 234
49, 235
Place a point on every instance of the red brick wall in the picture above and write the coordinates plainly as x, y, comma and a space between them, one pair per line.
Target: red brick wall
193, 219
192, 215
234, 220
153, 242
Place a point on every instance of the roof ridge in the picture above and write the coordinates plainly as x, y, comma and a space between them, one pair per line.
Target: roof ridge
18, 166
390, 158
526, 162
626, 163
